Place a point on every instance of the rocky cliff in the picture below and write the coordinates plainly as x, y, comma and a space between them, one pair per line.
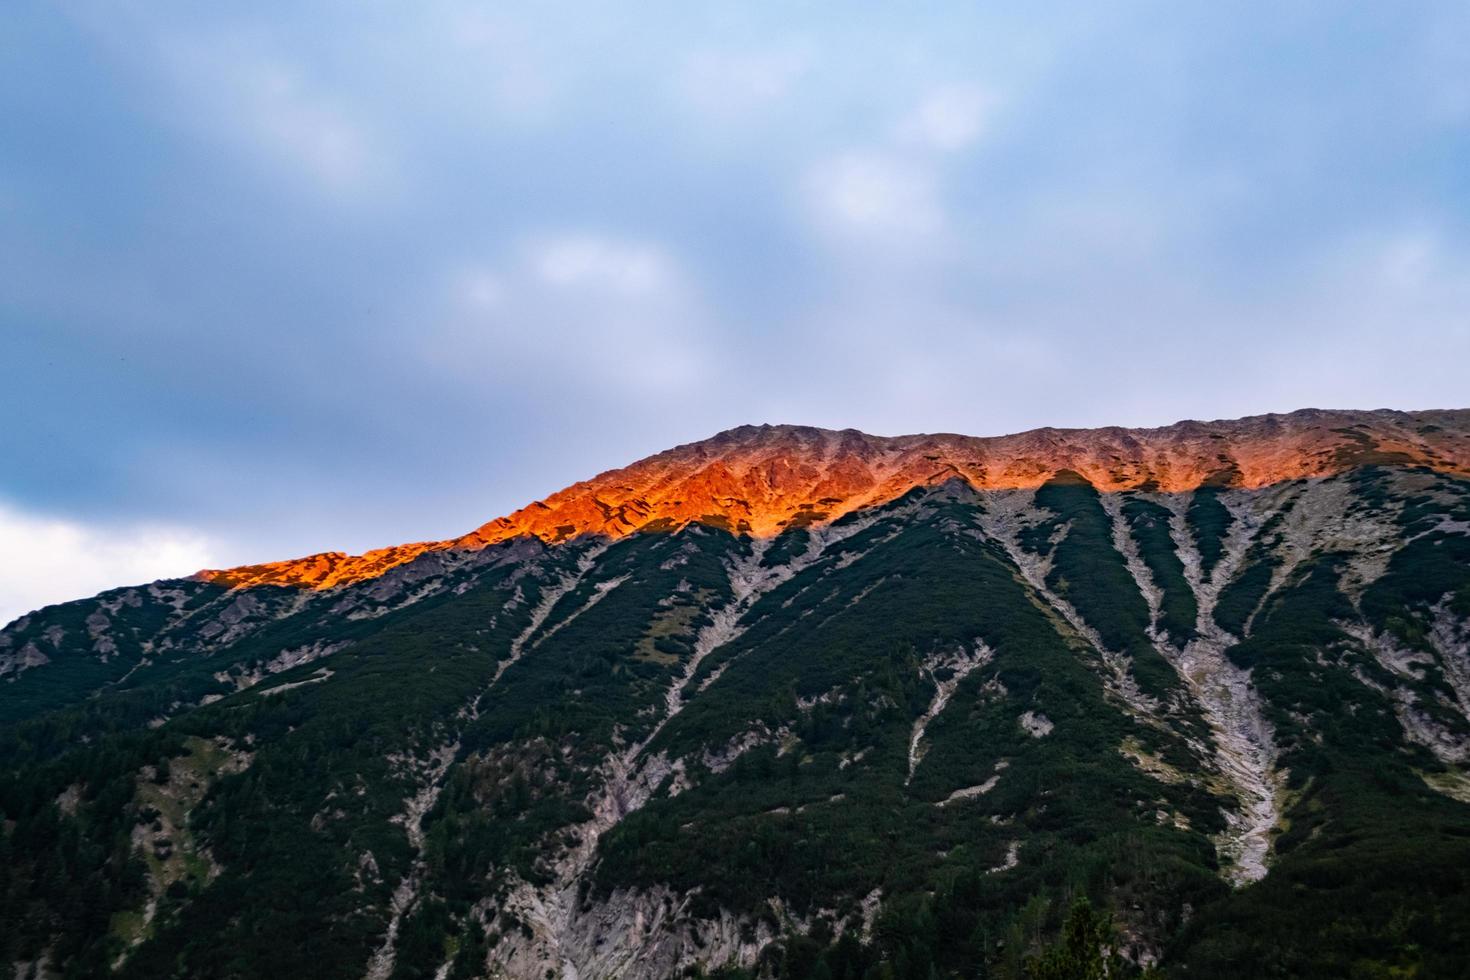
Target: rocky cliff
764, 479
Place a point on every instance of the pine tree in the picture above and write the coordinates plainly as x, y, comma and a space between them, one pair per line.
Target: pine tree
1085, 951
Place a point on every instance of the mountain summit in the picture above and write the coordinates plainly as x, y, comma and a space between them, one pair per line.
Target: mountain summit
789, 703
766, 479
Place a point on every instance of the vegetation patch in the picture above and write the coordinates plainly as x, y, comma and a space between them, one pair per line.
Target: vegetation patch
1148, 522
1209, 522
1088, 572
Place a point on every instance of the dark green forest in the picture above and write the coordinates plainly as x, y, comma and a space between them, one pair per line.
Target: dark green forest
889, 756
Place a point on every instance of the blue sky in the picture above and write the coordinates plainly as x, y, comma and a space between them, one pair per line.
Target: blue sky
280, 278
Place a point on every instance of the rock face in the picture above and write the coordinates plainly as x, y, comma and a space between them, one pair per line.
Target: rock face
765, 479
848, 707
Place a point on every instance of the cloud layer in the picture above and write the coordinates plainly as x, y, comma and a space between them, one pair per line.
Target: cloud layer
331, 278
50, 560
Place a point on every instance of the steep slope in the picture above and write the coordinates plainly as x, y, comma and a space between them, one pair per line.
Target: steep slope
1216, 677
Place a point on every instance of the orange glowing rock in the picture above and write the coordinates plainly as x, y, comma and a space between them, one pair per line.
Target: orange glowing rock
764, 479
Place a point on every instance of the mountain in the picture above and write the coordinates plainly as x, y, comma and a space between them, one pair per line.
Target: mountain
789, 702
762, 480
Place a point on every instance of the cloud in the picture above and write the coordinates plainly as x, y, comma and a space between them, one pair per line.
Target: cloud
301, 127
479, 290
245, 91
893, 187
492, 56
596, 312
729, 84
270, 108
262, 249
50, 560
949, 118
873, 193
1404, 290
1408, 261
582, 260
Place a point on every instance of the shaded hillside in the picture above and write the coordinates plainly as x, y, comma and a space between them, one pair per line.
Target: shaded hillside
876, 715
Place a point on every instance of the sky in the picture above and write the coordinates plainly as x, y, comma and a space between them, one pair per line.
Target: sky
278, 278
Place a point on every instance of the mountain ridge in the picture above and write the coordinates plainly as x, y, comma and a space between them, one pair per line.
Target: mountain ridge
763, 479
894, 741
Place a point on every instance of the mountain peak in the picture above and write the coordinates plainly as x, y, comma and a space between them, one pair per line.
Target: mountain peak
763, 479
